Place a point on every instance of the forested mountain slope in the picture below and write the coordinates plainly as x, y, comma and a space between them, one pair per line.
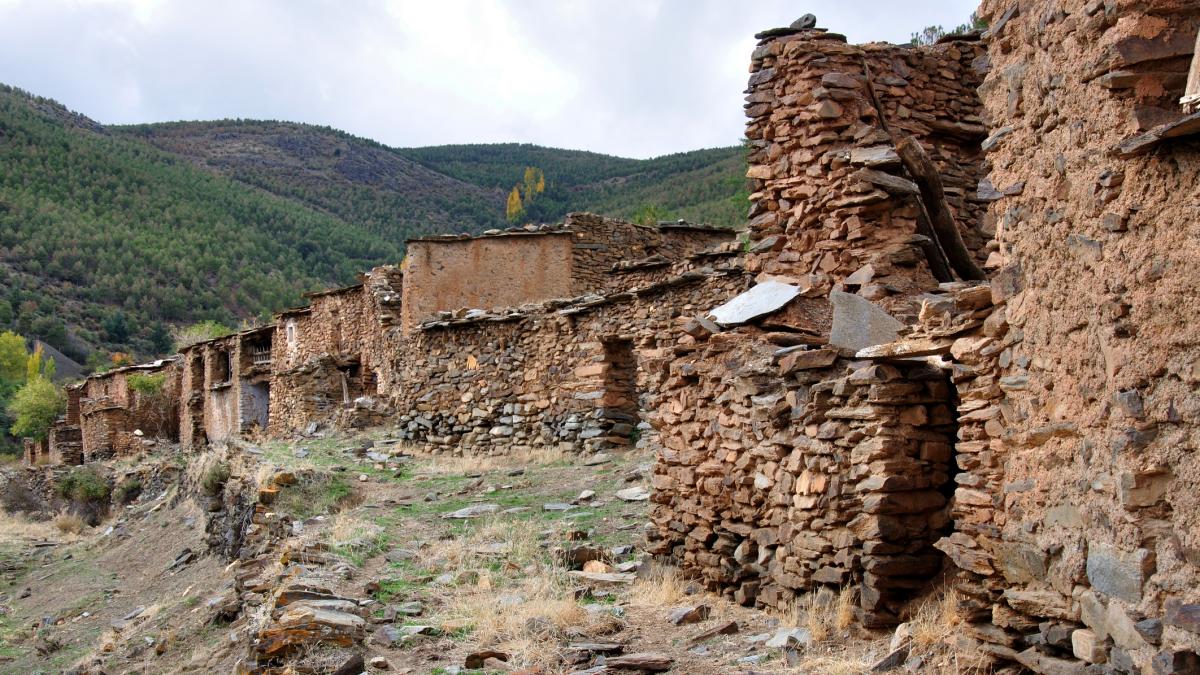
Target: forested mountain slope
106, 237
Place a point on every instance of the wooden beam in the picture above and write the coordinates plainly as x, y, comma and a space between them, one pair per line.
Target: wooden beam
933, 195
1191, 95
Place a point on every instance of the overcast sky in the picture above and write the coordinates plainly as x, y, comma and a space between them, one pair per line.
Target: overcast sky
634, 78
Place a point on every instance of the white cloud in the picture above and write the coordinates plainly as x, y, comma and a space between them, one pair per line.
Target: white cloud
629, 77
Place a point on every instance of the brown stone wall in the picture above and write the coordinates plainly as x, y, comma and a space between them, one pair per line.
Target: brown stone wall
331, 354
107, 406
601, 244
824, 116
786, 469
569, 373
1085, 519
491, 271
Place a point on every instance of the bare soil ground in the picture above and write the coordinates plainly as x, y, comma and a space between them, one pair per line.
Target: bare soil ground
113, 599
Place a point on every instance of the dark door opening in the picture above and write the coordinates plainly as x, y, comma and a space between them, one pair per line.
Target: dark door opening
619, 404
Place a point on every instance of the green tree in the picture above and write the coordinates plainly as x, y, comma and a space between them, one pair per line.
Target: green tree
12, 362
650, 214
931, 34
37, 364
116, 327
160, 338
34, 408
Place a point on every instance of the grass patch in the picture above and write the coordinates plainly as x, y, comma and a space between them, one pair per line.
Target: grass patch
314, 494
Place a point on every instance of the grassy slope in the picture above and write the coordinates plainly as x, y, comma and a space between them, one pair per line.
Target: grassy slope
92, 223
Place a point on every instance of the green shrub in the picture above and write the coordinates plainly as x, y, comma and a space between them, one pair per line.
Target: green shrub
84, 485
214, 479
147, 385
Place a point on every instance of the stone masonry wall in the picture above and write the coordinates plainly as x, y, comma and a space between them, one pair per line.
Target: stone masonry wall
333, 352
573, 373
1082, 534
786, 469
824, 116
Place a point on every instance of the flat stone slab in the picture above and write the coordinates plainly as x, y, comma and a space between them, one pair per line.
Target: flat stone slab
472, 511
858, 323
763, 299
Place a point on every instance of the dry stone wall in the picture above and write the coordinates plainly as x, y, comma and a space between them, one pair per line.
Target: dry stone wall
831, 204
789, 469
571, 373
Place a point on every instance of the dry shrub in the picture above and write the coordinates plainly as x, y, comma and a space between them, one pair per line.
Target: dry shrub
17, 497
69, 523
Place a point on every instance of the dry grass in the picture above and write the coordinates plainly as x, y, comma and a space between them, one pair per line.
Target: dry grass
658, 586
823, 617
522, 606
442, 465
69, 523
16, 527
936, 620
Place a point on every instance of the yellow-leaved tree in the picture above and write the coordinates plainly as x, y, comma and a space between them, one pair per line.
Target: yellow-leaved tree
514, 209
533, 183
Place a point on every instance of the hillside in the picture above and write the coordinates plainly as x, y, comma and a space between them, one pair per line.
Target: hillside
355, 179
454, 187
103, 238
701, 185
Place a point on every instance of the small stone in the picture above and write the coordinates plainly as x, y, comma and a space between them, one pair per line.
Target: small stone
633, 494
804, 23
1088, 647
686, 615
472, 511
379, 663
789, 637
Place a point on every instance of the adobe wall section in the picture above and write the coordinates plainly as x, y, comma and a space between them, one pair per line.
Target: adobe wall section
1086, 519
824, 118
495, 271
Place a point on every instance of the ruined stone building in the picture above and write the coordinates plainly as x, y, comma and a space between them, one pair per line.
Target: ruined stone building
960, 341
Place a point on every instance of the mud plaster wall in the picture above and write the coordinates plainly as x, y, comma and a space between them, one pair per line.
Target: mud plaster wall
515, 268
819, 143
498, 271
1098, 448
